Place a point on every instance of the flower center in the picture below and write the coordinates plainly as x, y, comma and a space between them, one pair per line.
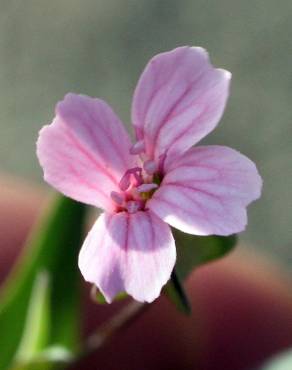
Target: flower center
138, 184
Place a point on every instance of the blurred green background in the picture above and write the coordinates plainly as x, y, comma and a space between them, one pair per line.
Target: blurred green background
99, 48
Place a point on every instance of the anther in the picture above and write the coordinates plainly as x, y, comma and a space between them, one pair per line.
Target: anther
125, 182
117, 198
144, 188
150, 167
138, 147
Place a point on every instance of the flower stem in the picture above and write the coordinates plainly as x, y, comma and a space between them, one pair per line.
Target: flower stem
121, 320
114, 325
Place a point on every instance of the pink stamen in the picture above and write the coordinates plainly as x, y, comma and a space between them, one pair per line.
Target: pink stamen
150, 167
138, 147
133, 206
117, 198
125, 182
138, 176
144, 188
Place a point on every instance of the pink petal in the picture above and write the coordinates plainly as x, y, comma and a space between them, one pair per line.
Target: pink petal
85, 151
179, 99
128, 252
207, 190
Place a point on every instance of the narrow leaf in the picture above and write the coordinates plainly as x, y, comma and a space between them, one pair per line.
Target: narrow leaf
53, 247
36, 330
52, 358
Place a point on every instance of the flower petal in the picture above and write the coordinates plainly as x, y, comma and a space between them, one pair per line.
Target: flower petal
207, 190
179, 99
128, 252
85, 151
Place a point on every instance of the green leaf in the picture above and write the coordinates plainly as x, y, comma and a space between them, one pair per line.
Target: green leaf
52, 358
176, 293
53, 247
33, 351
193, 251
36, 330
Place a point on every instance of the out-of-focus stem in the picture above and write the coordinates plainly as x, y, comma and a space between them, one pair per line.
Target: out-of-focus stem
114, 325
120, 321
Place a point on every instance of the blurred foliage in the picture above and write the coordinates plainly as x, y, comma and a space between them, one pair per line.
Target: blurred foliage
194, 250
281, 361
37, 323
39, 305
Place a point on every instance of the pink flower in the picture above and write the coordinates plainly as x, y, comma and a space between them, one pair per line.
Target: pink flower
159, 181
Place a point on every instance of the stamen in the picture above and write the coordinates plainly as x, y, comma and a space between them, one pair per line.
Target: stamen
150, 167
138, 176
125, 182
133, 206
117, 198
145, 188
138, 147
